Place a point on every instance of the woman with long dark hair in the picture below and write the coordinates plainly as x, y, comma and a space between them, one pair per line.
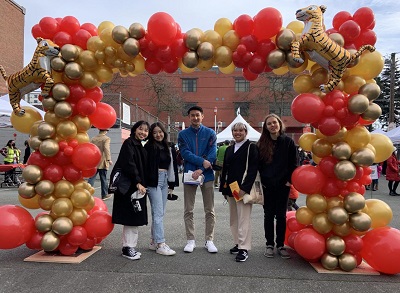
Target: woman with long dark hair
278, 160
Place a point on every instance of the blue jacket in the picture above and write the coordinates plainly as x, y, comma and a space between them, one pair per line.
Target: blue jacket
197, 145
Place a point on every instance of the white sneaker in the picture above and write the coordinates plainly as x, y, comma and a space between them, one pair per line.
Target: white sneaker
164, 249
153, 246
210, 246
189, 246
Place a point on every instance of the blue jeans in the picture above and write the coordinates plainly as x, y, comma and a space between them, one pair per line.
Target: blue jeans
103, 181
158, 200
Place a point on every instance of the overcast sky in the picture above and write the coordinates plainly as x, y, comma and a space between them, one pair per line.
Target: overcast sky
204, 13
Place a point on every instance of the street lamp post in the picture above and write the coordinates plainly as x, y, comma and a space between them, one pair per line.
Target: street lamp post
215, 118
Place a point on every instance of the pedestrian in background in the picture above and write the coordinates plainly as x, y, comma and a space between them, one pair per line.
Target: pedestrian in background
27, 152
392, 173
220, 161
11, 156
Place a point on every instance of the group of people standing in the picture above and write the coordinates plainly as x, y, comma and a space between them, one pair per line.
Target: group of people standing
12, 155
151, 169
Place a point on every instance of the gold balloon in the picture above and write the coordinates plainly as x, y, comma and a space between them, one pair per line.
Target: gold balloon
81, 184
190, 59
372, 113
78, 216
50, 241
49, 148
321, 223
33, 131
46, 130
62, 207
213, 37
284, 39
136, 30
60, 92
358, 137
316, 159
329, 261
121, 55
68, 81
334, 202
63, 189
57, 64
119, 34
383, 146
319, 76
354, 202
360, 221
222, 26
363, 157
26, 190
30, 203
51, 118
345, 170
205, 51
82, 137
95, 43
302, 83
104, 74
43, 223
184, 68
341, 151
48, 103
73, 70
24, 123
80, 198
340, 136
306, 141
296, 26
70, 52
380, 213
32, 174
370, 90
338, 38
358, 104
355, 61
321, 148
131, 47
87, 59
231, 39
316, 203
276, 58
62, 226
205, 65
66, 129
335, 245
44, 188
304, 216
138, 62
89, 80
338, 215
223, 56
106, 36
229, 69
46, 202
91, 203
193, 38
353, 83
63, 109
82, 123
342, 230
347, 262
370, 65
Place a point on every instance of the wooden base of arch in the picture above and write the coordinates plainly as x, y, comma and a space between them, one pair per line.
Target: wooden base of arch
55, 257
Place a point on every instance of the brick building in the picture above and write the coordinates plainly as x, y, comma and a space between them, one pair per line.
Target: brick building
12, 19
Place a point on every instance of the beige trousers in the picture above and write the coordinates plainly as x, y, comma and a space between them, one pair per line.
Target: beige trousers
240, 222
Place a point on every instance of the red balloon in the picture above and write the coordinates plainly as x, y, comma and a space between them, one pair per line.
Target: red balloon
171, 66
381, 249
265, 47
61, 158
96, 94
68, 151
367, 37
353, 186
35, 241
361, 121
327, 166
89, 173
16, 226
267, 23
350, 30
86, 156
99, 205
86, 106
104, 117
330, 188
350, 119
248, 75
178, 31
66, 248
293, 225
164, 54
72, 173
81, 37
366, 180
62, 38
354, 243
37, 31
36, 158
99, 224
309, 244
91, 28
162, 28
76, 92
178, 48
302, 104
250, 42
329, 125
89, 244
340, 18
364, 16
49, 26
243, 25
53, 173
74, 143
256, 64
152, 66
77, 236
328, 111
308, 179
291, 239
241, 50
70, 25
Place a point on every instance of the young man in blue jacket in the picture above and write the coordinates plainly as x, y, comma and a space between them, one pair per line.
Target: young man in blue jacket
198, 148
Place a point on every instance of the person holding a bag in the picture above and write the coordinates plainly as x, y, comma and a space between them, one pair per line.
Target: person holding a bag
278, 160
237, 156
128, 176
162, 174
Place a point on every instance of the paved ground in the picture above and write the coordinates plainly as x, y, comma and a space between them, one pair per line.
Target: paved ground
200, 271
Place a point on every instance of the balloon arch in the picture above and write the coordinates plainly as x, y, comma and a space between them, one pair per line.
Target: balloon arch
338, 226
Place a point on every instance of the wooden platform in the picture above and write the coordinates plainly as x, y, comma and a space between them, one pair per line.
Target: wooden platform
78, 257
362, 269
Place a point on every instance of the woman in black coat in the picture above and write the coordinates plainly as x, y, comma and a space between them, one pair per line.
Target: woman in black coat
127, 211
233, 169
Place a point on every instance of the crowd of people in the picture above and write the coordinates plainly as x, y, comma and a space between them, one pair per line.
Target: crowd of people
12, 156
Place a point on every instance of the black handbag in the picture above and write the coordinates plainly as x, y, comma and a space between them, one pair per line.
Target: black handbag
119, 181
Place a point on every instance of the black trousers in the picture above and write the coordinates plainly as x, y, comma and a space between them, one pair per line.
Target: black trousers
275, 207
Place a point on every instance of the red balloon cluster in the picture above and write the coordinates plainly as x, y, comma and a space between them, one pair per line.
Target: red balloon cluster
65, 30
356, 29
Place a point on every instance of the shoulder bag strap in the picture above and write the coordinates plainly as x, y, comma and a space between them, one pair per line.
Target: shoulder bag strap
247, 163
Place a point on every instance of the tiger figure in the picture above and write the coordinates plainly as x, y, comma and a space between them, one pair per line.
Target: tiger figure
321, 48
32, 76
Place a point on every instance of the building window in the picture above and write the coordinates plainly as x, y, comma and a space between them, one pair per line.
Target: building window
186, 107
242, 108
280, 108
189, 85
242, 85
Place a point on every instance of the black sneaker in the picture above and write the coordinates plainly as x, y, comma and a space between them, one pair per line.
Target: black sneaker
234, 250
130, 252
242, 255
283, 253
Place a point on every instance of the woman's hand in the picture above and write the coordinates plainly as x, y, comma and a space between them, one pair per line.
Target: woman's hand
141, 188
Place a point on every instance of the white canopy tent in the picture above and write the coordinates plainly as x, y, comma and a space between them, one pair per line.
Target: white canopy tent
226, 134
6, 110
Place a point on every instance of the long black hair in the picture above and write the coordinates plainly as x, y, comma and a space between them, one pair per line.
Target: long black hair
137, 125
151, 137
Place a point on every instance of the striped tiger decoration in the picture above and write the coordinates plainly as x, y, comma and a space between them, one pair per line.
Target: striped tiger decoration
321, 48
32, 76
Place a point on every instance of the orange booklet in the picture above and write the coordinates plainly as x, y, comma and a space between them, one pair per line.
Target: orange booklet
234, 186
